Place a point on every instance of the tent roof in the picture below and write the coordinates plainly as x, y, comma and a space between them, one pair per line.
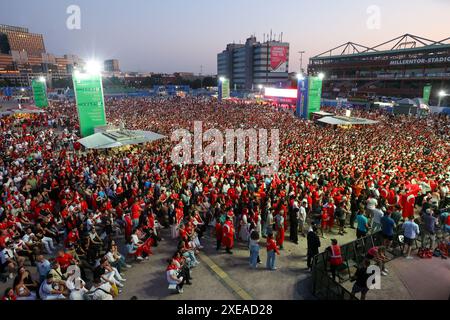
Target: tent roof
105, 140
23, 109
346, 121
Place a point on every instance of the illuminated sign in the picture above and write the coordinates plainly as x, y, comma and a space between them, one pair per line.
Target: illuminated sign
280, 93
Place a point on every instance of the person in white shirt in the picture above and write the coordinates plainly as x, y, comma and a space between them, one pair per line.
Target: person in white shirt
377, 214
101, 291
50, 290
302, 217
269, 222
77, 289
10, 260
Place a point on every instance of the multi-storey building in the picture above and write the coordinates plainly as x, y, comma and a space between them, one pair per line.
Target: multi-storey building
254, 63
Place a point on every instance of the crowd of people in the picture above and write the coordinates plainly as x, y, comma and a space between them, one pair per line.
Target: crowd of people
81, 216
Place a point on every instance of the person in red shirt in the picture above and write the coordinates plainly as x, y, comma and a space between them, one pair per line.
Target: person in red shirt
272, 249
324, 220
64, 260
218, 229
335, 257
228, 235
331, 208
136, 211
9, 295
128, 227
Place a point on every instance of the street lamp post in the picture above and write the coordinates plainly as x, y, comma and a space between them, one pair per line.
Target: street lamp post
260, 87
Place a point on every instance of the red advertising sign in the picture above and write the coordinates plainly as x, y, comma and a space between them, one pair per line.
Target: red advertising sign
278, 58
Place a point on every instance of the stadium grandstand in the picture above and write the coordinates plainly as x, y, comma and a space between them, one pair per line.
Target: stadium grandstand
400, 67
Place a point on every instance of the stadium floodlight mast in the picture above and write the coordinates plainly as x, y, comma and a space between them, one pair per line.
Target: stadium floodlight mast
93, 67
300, 76
441, 95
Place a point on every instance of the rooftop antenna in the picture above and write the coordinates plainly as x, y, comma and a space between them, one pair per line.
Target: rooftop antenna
270, 35
282, 37
264, 37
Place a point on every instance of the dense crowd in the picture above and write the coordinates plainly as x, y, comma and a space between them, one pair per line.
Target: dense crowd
82, 216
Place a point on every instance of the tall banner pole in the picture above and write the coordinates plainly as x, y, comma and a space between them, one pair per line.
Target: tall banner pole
90, 101
39, 92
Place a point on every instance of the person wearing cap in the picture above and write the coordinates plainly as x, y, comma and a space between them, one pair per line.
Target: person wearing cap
272, 250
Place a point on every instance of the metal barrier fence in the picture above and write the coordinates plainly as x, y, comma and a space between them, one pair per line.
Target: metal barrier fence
353, 253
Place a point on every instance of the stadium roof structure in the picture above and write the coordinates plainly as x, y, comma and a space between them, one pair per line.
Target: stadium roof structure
346, 121
406, 42
108, 137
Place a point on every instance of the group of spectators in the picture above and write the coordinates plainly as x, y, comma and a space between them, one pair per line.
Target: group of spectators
77, 215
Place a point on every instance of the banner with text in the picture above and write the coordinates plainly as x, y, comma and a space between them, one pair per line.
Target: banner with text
314, 95
278, 58
224, 89
39, 93
427, 94
90, 102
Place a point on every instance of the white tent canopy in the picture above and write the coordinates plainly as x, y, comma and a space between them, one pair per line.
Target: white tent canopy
346, 121
119, 138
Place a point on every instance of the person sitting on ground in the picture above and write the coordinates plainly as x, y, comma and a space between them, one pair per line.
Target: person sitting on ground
109, 274
378, 254
173, 277
10, 260
115, 258
183, 267
77, 289
24, 286
50, 290
101, 290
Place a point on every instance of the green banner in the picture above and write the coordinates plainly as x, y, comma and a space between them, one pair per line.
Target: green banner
39, 93
427, 93
314, 95
226, 89
90, 102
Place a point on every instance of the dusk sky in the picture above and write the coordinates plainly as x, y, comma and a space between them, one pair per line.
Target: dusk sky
181, 35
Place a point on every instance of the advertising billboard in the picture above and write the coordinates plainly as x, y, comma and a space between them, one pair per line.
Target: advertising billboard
278, 59
280, 93
90, 102
427, 94
224, 89
39, 93
309, 99
314, 95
